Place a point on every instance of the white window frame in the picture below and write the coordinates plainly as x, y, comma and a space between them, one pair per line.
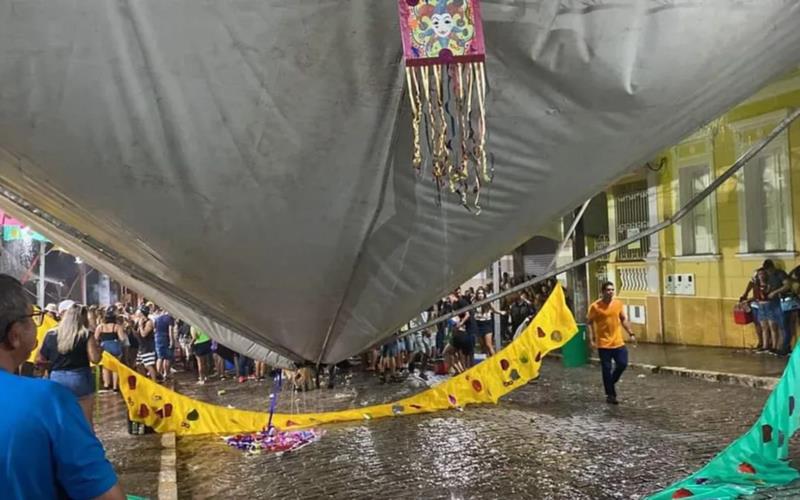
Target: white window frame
780, 146
703, 159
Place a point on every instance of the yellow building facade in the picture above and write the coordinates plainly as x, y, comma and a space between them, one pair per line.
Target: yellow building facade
681, 285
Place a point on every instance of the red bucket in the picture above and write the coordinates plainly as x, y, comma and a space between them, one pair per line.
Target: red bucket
742, 317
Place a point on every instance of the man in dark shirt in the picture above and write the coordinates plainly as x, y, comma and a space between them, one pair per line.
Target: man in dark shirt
520, 310
163, 325
770, 315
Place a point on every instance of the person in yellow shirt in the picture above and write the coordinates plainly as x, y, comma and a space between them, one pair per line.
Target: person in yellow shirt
606, 320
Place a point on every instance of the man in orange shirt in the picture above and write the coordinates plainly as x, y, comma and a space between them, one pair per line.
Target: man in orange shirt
606, 319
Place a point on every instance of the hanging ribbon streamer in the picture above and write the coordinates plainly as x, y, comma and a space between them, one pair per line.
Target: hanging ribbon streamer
444, 49
272, 440
273, 398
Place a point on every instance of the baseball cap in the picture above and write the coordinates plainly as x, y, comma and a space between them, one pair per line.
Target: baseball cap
64, 305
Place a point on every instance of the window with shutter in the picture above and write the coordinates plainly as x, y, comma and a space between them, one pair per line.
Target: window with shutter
696, 228
765, 204
632, 216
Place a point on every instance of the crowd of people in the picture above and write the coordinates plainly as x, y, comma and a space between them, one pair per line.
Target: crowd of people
146, 338
775, 305
151, 340
451, 345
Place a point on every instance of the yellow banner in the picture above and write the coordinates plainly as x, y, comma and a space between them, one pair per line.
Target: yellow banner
48, 324
519, 362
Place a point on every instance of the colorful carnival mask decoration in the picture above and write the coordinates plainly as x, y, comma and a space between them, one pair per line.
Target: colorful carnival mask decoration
444, 55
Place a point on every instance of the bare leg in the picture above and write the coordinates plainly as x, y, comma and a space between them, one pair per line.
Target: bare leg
488, 346
773, 334
777, 340
107, 379
201, 369
381, 366
762, 341
765, 332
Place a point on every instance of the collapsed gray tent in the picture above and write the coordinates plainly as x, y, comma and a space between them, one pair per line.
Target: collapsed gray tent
247, 163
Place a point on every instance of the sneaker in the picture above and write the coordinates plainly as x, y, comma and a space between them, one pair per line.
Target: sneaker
612, 400
242, 380
201, 381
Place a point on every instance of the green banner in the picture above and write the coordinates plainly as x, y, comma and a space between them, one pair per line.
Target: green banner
11, 233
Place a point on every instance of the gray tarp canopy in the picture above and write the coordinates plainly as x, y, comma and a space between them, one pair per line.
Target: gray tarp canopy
246, 163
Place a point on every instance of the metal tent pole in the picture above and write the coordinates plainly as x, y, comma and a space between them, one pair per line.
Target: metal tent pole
40, 298
685, 209
569, 234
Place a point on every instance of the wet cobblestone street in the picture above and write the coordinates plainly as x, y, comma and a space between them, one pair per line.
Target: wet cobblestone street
555, 438
136, 459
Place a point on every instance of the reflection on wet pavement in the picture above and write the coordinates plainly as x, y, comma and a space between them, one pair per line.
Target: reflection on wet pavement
554, 438
136, 459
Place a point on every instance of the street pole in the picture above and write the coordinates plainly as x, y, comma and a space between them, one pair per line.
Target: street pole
40, 286
496, 288
580, 292
83, 282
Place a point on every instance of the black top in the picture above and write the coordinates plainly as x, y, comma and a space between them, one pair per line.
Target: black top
106, 335
519, 311
75, 359
184, 330
471, 326
146, 344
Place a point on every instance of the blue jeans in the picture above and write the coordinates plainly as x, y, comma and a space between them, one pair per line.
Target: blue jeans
80, 382
440, 338
610, 377
245, 366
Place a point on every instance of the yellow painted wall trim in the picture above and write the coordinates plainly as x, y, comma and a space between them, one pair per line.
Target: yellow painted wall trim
766, 255
697, 258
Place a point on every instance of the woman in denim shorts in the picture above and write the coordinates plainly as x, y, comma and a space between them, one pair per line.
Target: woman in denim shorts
111, 337
67, 351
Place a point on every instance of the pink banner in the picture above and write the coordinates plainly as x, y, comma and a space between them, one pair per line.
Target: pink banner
7, 220
441, 31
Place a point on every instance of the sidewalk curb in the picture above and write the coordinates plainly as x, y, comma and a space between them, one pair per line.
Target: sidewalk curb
168, 474
755, 381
